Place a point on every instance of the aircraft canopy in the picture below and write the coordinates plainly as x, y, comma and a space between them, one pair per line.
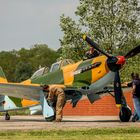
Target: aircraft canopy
55, 66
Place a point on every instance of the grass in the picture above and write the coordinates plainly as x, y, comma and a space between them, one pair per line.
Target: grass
17, 112
74, 134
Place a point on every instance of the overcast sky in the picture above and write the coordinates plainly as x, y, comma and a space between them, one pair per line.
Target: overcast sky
24, 23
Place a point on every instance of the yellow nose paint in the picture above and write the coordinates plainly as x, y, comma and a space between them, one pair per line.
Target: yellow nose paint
101, 70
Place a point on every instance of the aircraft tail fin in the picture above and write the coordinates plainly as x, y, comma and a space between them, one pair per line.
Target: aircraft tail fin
3, 78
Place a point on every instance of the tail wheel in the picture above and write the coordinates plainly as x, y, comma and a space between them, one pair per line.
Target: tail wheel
7, 116
125, 114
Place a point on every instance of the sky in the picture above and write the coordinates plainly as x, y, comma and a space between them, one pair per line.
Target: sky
24, 23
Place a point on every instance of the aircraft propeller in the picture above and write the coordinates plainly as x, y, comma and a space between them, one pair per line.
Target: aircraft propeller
115, 63
117, 89
133, 52
95, 45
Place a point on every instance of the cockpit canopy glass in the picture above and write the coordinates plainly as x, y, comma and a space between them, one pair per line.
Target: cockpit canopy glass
40, 72
61, 64
54, 67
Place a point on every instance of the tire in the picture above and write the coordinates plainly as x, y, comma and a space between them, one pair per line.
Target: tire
50, 119
7, 116
125, 114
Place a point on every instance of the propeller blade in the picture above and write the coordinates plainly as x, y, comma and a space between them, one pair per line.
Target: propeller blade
133, 52
94, 45
117, 89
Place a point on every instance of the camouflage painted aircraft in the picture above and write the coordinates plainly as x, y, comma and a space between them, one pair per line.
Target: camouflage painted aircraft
86, 77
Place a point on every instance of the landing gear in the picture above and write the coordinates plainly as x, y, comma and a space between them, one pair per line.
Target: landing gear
125, 114
50, 119
7, 116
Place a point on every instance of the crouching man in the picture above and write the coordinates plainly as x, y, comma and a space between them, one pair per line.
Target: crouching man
56, 98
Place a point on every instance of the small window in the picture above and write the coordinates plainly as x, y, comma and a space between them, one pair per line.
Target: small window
64, 63
38, 73
55, 67
70, 61
46, 70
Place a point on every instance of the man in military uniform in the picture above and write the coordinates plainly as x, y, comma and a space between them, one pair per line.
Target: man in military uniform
56, 98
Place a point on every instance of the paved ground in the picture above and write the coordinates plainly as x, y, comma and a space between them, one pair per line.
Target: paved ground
37, 122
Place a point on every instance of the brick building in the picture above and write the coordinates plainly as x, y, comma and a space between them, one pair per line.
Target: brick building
104, 107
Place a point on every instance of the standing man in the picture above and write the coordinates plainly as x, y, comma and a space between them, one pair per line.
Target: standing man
136, 93
56, 98
130, 84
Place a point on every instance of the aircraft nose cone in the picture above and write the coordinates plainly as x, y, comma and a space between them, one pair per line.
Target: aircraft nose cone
115, 63
121, 60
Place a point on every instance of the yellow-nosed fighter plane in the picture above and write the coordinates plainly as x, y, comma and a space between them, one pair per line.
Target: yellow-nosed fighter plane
84, 78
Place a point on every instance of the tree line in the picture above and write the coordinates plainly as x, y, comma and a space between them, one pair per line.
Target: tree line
20, 65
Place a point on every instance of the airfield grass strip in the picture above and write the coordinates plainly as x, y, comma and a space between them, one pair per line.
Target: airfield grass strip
74, 134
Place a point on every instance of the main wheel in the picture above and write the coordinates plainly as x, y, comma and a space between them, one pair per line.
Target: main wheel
50, 119
125, 114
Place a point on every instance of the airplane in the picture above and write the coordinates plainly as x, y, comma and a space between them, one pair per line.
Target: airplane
84, 78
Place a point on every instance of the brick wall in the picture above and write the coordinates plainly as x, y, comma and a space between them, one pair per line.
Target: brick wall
105, 107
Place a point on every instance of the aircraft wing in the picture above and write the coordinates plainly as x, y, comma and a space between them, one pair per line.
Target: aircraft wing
31, 92
14, 109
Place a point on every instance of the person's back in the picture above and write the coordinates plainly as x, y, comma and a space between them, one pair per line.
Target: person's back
136, 82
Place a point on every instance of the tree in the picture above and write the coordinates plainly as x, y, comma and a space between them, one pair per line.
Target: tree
71, 42
41, 55
23, 71
113, 24
8, 62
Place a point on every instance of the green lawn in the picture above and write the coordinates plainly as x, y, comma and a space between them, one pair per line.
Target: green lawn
74, 134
